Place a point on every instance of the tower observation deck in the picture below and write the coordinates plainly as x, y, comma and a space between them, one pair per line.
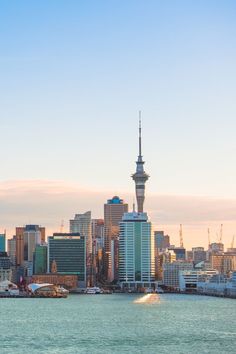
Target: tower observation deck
140, 176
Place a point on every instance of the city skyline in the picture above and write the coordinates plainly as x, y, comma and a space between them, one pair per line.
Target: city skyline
64, 200
73, 78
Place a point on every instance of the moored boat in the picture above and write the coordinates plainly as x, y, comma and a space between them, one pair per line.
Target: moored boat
93, 290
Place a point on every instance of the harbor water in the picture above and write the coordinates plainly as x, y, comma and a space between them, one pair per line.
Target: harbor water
118, 323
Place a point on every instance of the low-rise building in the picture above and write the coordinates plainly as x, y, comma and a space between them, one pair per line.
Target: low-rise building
171, 273
218, 285
188, 279
67, 281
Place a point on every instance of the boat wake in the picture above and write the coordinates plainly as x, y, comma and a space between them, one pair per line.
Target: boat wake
148, 299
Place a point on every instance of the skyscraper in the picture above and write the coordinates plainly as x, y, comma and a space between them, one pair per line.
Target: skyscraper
136, 251
114, 209
40, 259
66, 255
140, 177
26, 240
11, 249
161, 241
82, 224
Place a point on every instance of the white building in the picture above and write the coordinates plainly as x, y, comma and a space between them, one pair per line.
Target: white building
171, 273
188, 279
136, 251
218, 285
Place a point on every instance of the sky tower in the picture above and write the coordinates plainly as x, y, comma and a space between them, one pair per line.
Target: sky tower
140, 177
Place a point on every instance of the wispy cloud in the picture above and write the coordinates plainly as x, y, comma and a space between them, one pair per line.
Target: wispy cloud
47, 202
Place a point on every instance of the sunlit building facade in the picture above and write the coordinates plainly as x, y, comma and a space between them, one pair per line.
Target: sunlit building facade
136, 251
114, 210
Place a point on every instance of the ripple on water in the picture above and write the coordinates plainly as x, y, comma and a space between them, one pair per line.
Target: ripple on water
114, 324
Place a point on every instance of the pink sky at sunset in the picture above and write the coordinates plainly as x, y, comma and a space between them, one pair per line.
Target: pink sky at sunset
47, 203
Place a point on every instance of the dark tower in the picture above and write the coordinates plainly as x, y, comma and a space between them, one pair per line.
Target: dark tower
140, 177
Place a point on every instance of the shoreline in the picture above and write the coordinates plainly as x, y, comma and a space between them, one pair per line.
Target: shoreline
26, 296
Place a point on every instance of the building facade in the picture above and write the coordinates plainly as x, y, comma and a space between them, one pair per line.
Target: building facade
11, 249
162, 241
114, 210
224, 262
27, 238
171, 273
40, 259
3, 242
67, 255
82, 224
136, 251
180, 253
5, 267
188, 279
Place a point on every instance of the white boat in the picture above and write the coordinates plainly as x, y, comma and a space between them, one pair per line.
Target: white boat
7, 287
64, 292
149, 291
93, 290
159, 291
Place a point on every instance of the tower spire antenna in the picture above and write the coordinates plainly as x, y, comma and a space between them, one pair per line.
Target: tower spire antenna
140, 176
140, 134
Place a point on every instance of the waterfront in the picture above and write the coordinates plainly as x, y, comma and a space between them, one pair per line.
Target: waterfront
115, 324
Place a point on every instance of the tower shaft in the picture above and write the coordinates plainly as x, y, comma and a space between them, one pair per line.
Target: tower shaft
140, 177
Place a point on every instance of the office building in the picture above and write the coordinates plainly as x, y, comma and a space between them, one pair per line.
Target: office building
171, 273
199, 254
180, 253
98, 230
40, 259
11, 249
27, 238
3, 242
161, 241
224, 263
188, 279
5, 262
114, 209
136, 251
82, 224
67, 255
216, 247
5, 267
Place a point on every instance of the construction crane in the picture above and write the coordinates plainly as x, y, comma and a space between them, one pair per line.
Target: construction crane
181, 237
209, 239
221, 232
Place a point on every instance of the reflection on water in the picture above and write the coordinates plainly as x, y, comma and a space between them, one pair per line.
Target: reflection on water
148, 299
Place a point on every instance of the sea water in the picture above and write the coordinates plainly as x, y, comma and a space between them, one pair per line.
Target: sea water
183, 324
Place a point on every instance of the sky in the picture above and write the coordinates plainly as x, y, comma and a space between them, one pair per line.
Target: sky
73, 76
